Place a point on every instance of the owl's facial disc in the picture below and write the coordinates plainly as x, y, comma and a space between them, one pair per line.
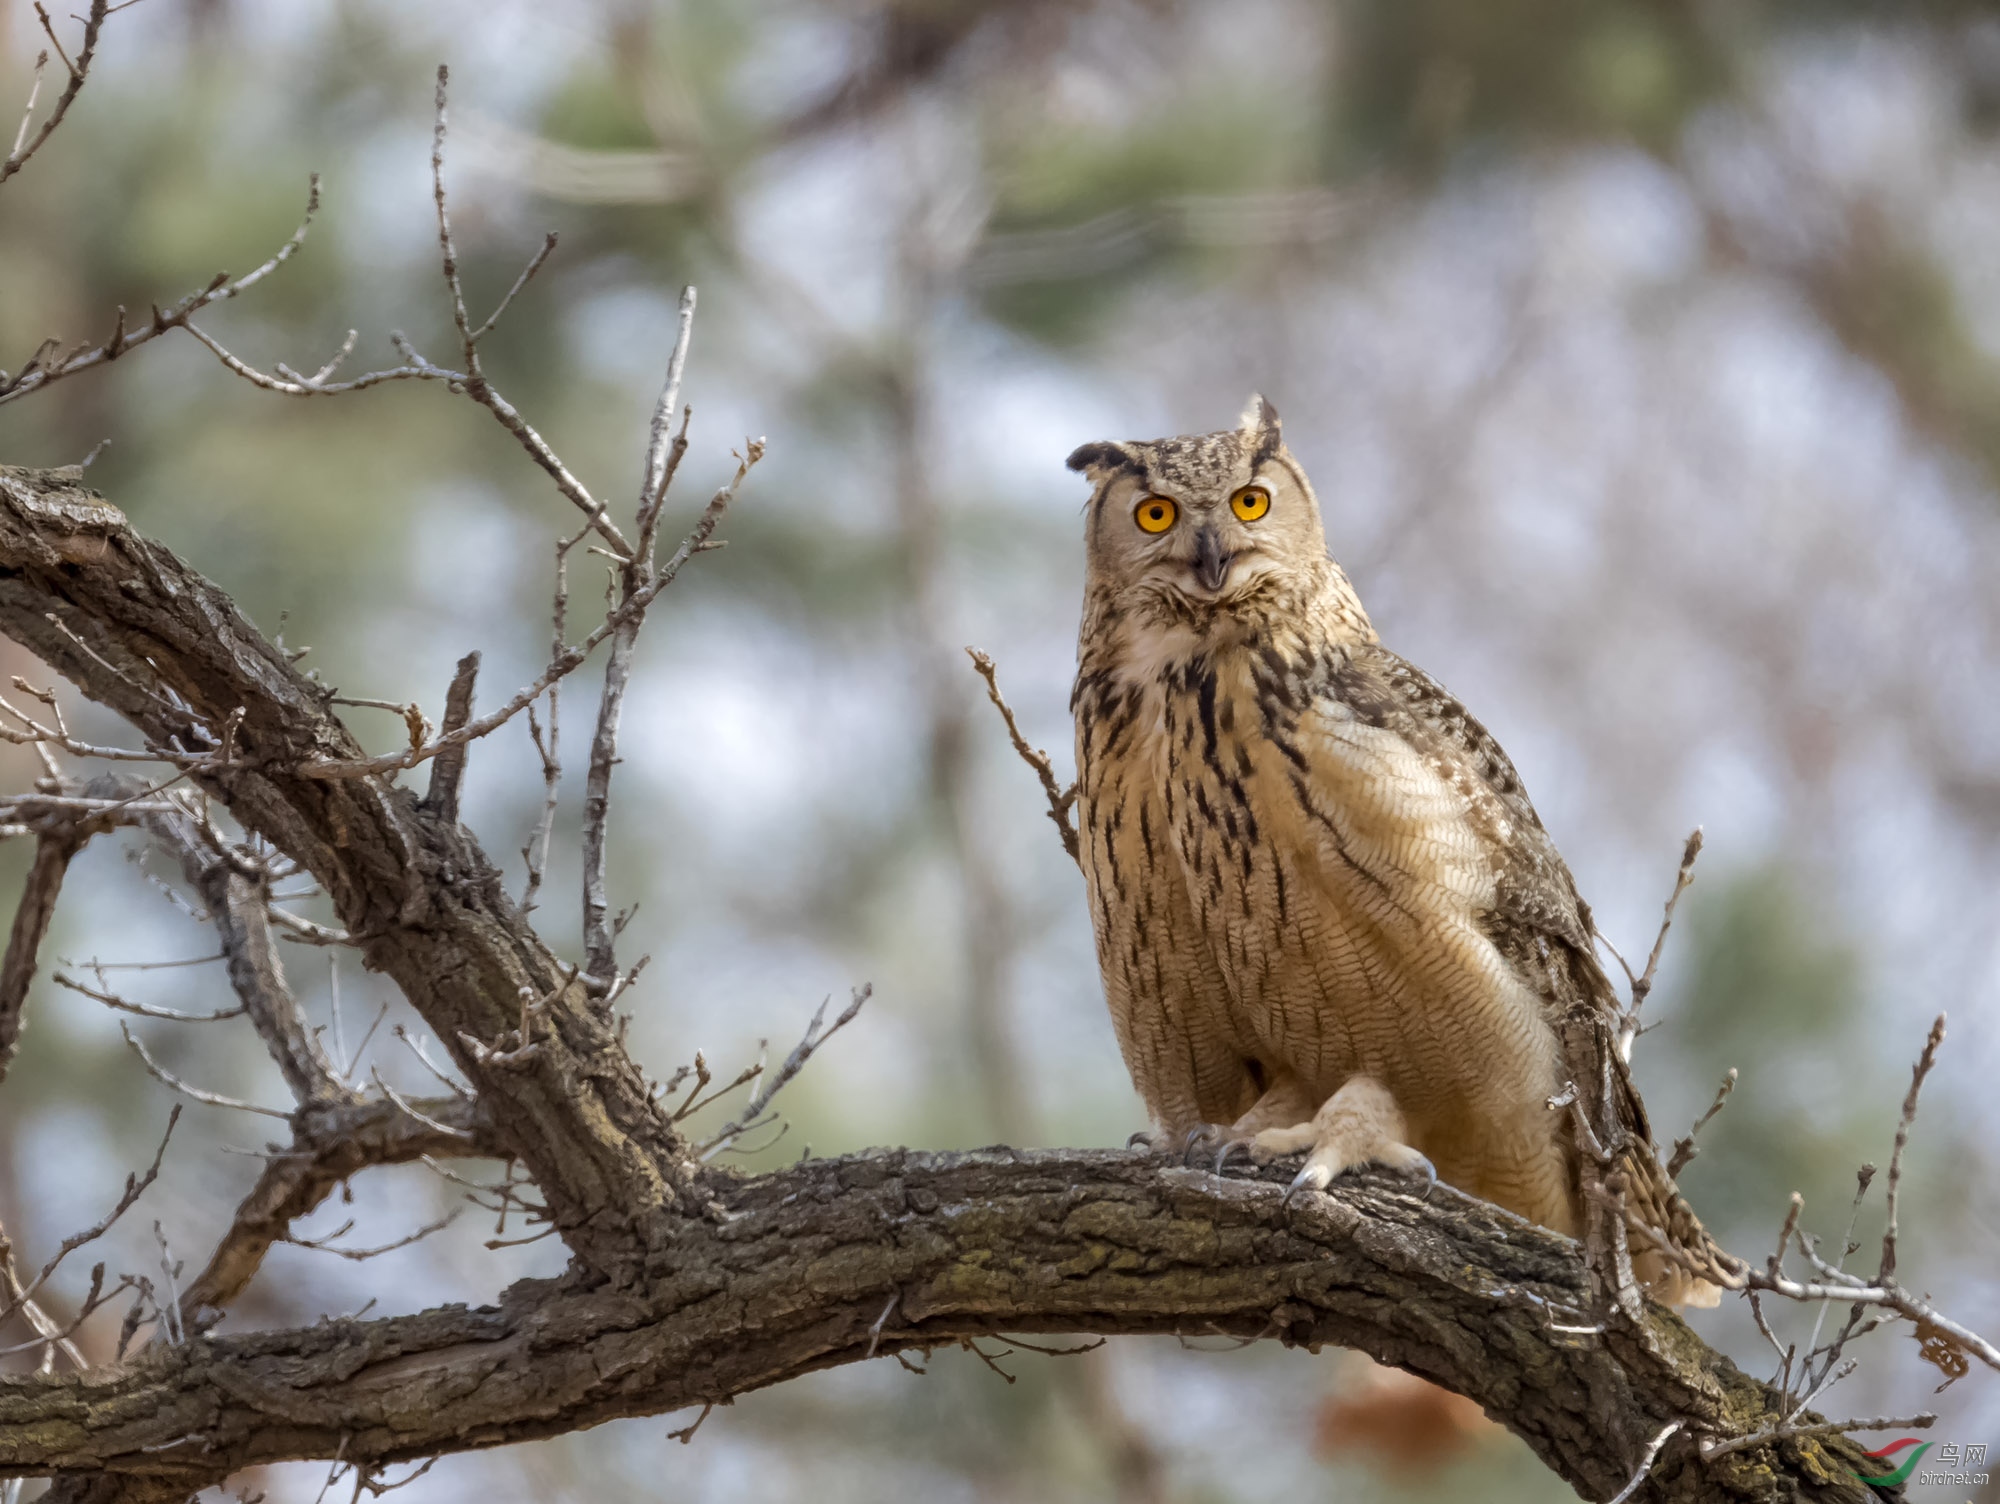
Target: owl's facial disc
1206, 521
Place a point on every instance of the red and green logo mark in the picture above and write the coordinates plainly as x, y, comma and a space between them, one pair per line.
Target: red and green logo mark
1884, 1455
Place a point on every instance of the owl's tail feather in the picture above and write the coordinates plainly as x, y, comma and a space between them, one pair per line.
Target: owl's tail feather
1655, 1208
1673, 1256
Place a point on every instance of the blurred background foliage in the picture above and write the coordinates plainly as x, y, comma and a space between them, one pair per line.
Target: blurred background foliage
1647, 359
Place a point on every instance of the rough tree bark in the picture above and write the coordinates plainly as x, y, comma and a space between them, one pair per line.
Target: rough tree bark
692, 1285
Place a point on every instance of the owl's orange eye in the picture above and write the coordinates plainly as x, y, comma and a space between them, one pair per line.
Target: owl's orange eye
1156, 514
1250, 503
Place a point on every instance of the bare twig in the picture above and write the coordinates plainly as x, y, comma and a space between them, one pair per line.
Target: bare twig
171, 1325
36, 374
535, 854
795, 1062
416, 1047
696, 1102
1712, 1450
288, 383
875, 1330
135, 1187
534, 265
31, 925
235, 887
28, 113
166, 1078
525, 1046
1077, 1351
1642, 985
599, 943
1863, 1178
471, 381
1918, 1072
1946, 1342
686, 1433
50, 1334
358, 1255
34, 810
474, 383
361, 1049
547, 1232
39, 736
303, 931
1061, 800
561, 666
971, 1345
416, 1112
79, 71
144, 1010
98, 968
1646, 1460
1684, 1148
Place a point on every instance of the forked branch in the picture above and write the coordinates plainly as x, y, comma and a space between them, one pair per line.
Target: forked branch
25, 145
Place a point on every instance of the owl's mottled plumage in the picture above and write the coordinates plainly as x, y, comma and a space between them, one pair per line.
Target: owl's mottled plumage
1327, 915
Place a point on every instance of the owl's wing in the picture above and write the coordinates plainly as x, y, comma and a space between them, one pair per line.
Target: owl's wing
1542, 926
1535, 893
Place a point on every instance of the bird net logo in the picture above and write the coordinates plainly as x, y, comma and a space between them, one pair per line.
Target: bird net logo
1955, 1464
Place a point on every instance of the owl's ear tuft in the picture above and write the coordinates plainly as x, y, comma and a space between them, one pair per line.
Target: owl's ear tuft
1101, 459
1261, 429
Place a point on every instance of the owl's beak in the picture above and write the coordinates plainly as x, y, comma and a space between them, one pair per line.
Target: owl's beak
1211, 564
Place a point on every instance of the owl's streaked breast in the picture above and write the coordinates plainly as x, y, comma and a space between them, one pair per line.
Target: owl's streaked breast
1336, 874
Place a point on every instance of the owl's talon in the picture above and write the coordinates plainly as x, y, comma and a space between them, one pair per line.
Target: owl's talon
1140, 1140
1313, 1177
1196, 1143
1229, 1149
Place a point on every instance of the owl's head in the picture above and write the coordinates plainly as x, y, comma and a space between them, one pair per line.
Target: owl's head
1205, 521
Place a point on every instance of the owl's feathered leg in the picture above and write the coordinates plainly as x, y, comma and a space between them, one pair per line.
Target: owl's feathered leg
1359, 1124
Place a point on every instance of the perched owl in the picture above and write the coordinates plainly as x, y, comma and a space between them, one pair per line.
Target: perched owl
1327, 916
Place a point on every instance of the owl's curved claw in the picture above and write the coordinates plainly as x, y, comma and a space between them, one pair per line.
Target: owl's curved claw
1312, 1178
1421, 1165
1140, 1140
1228, 1151
1196, 1142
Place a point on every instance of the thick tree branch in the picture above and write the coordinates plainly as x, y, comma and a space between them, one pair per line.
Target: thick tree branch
798, 1274
134, 628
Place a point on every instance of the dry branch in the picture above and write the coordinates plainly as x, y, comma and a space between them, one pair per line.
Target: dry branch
657, 473
237, 894
133, 627
41, 371
1062, 801
331, 1144
26, 146
37, 908
798, 1273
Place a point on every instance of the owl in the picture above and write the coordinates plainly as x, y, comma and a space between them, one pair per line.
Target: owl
1327, 916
